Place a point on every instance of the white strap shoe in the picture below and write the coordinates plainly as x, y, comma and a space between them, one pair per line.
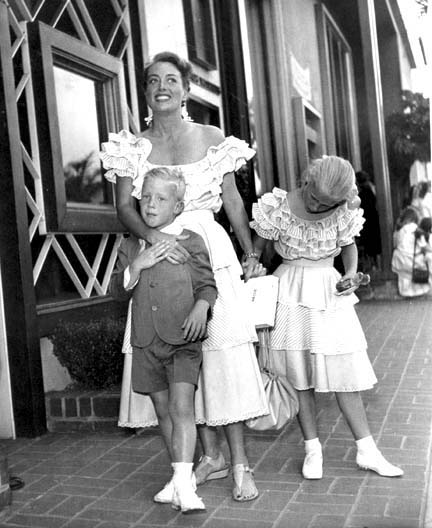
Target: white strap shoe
375, 461
313, 465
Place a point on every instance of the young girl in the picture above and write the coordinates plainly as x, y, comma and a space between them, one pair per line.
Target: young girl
317, 340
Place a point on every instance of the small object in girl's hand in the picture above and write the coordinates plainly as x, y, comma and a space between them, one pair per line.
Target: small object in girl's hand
359, 279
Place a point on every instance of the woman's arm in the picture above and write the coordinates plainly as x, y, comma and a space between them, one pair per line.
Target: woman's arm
127, 213
236, 213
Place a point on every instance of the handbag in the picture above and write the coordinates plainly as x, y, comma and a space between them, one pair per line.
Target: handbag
261, 296
419, 275
281, 396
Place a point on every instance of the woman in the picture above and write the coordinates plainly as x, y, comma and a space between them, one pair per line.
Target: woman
230, 388
409, 243
317, 340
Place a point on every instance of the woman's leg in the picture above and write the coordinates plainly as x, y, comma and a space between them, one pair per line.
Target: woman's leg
244, 483
211, 465
368, 454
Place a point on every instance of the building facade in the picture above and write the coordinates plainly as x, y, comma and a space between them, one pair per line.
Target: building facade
295, 78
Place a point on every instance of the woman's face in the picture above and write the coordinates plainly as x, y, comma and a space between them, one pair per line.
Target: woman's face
315, 202
165, 90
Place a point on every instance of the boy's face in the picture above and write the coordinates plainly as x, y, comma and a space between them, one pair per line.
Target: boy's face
159, 204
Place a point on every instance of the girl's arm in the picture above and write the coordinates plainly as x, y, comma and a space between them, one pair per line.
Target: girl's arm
133, 222
349, 256
236, 213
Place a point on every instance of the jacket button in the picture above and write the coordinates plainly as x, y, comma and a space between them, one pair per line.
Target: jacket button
154, 308
152, 284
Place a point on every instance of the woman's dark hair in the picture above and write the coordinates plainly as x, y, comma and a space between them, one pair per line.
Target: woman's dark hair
426, 226
183, 66
409, 214
423, 188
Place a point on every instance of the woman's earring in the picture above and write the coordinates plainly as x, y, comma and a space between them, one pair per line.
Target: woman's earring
149, 120
184, 112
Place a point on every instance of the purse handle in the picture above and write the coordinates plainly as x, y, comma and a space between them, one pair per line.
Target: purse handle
264, 344
414, 253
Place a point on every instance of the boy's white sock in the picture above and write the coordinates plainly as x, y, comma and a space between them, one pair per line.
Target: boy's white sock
312, 445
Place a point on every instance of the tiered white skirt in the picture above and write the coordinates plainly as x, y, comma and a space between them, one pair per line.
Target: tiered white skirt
317, 341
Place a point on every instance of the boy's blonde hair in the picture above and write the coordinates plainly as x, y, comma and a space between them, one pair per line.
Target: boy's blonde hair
333, 177
169, 175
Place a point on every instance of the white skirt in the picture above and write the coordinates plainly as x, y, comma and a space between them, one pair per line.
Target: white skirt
317, 340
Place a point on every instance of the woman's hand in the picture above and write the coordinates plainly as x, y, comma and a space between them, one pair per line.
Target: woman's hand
252, 268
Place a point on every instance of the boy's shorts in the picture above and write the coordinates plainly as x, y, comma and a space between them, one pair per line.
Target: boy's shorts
160, 364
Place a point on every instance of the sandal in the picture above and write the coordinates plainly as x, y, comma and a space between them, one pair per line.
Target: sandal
244, 489
211, 469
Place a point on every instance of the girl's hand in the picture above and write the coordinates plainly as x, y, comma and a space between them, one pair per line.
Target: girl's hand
177, 254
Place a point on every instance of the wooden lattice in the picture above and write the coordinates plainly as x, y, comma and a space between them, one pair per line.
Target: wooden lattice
81, 17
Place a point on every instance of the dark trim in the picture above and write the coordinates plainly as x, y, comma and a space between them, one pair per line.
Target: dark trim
80, 310
199, 81
17, 271
233, 84
137, 45
201, 52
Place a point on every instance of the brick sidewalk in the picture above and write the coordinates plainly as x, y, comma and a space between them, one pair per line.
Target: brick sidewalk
107, 480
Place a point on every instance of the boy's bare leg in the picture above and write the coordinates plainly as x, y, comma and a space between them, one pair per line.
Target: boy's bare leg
182, 413
160, 402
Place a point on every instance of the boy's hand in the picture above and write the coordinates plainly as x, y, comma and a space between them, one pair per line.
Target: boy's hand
195, 324
150, 256
177, 254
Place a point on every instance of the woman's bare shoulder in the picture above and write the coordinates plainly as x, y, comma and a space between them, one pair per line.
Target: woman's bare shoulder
209, 134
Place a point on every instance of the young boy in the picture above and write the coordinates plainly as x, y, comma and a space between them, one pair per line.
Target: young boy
170, 307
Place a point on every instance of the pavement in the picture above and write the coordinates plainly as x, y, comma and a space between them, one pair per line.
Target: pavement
107, 480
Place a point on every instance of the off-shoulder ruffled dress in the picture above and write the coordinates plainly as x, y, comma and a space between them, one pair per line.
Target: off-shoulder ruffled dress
230, 387
317, 340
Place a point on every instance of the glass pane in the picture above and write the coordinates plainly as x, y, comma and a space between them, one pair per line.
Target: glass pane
79, 137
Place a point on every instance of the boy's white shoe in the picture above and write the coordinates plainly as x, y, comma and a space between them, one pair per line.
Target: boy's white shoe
166, 494
185, 498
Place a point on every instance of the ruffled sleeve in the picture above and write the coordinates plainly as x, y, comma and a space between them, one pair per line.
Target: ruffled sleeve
349, 223
267, 214
122, 153
229, 156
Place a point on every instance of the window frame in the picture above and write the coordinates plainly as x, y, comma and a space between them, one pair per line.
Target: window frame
195, 48
48, 48
326, 24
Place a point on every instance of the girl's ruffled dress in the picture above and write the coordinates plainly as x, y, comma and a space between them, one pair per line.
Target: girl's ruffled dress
230, 386
317, 340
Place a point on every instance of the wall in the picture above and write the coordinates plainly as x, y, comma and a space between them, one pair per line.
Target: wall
7, 429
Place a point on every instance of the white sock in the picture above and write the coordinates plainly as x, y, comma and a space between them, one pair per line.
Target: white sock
312, 445
366, 444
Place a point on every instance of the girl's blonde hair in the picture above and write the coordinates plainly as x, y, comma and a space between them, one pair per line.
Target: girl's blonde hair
333, 178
